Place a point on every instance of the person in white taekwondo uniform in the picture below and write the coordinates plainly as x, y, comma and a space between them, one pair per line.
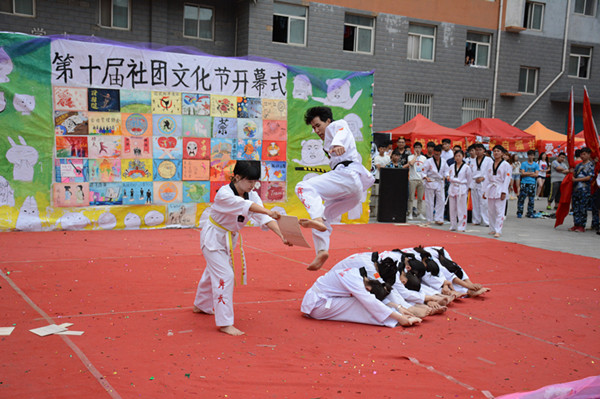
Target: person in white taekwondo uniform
331, 194
460, 180
496, 190
345, 293
233, 205
479, 168
434, 172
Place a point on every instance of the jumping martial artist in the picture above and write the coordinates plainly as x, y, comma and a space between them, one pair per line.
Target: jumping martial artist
233, 205
434, 172
496, 190
331, 194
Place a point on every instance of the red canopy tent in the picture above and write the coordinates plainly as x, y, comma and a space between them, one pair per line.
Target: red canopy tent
499, 132
423, 130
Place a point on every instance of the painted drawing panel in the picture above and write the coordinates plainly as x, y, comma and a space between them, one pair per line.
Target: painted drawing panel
196, 148
195, 104
221, 170
196, 169
196, 191
223, 106
167, 125
104, 100
104, 146
167, 192
248, 149
104, 170
136, 101
70, 123
274, 130
136, 125
104, 123
196, 126
273, 171
136, 170
224, 128
273, 191
249, 128
167, 147
137, 193
181, 215
71, 170
214, 188
71, 147
166, 102
106, 194
70, 194
167, 170
70, 98
137, 147
274, 109
274, 150
248, 107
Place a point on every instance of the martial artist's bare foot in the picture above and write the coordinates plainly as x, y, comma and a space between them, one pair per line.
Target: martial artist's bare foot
473, 293
439, 310
496, 235
491, 233
316, 224
319, 260
421, 311
198, 310
439, 223
406, 321
231, 330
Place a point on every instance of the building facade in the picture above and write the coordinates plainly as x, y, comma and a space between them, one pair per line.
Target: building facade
451, 61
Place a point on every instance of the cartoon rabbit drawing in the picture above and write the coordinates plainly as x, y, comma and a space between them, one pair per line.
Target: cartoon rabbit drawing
29, 216
23, 157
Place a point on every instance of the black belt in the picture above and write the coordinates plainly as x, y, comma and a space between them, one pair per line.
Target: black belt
345, 163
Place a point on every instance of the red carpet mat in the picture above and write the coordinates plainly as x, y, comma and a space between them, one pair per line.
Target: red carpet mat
132, 292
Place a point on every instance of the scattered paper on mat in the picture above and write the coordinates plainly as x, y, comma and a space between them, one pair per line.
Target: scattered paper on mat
6, 330
69, 332
291, 231
48, 330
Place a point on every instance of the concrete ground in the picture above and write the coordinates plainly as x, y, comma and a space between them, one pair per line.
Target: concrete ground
538, 232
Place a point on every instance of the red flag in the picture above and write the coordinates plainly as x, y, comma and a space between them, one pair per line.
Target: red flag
591, 134
566, 187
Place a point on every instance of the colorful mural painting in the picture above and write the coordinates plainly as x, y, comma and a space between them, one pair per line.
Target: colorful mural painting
106, 136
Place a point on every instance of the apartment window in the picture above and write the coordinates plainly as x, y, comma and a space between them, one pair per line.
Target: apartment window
585, 7
358, 34
18, 7
528, 80
198, 21
289, 24
415, 103
473, 108
421, 42
114, 13
579, 62
477, 52
534, 15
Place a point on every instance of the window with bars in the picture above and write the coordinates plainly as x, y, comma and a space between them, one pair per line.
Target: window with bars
18, 7
114, 13
289, 24
586, 7
421, 42
358, 33
534, 15
579, 62
528, 80
477, 51
473, 108
416, 103
198, 22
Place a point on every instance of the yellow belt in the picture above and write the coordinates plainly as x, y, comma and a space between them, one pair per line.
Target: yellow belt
230, 249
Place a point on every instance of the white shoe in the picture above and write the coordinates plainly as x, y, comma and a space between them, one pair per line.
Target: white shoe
422, 217
409, 217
